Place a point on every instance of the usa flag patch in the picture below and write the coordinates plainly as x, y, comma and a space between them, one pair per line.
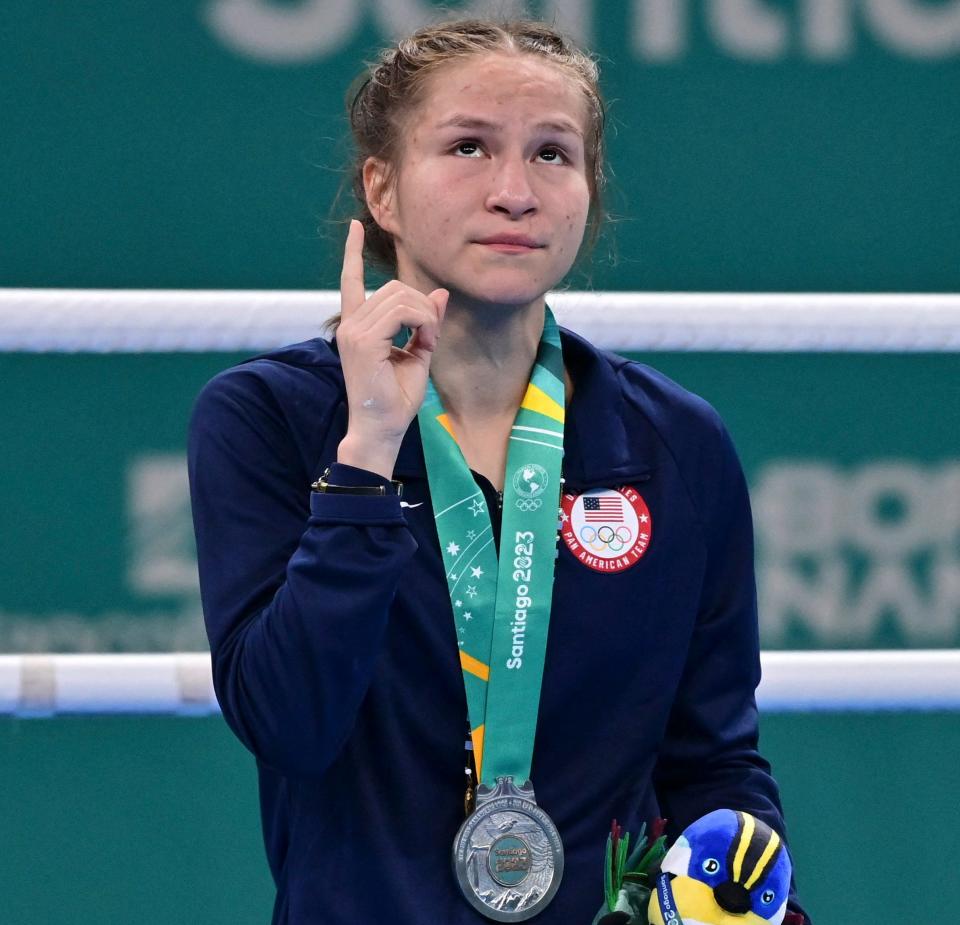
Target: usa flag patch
607, 529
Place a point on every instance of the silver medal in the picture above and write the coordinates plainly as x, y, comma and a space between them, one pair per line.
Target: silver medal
507, 856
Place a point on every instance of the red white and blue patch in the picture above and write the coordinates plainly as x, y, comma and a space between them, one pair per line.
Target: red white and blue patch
607, 529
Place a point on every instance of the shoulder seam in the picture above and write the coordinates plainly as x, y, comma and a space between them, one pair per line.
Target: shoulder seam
328, 360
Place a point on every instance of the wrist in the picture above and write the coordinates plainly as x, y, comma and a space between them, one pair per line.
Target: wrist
375, 457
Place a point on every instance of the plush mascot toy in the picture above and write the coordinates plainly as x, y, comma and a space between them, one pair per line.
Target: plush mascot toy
727, 868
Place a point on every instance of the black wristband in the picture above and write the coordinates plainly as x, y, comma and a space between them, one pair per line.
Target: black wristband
325, 487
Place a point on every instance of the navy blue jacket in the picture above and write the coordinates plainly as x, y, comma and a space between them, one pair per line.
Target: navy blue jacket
335, 658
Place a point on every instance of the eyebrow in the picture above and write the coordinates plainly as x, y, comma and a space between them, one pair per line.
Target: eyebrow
462, 121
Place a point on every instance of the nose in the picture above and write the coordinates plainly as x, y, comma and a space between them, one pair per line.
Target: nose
512, 193
732, 897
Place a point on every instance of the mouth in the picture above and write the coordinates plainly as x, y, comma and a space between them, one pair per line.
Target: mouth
511, 248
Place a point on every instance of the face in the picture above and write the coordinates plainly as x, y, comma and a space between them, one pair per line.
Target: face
460, 184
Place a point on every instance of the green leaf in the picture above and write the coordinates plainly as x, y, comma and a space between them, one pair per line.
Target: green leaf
608, 889
622, 850
636, 854
655, 855
641, 844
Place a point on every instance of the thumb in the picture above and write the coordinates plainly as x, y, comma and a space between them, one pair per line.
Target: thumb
439, 298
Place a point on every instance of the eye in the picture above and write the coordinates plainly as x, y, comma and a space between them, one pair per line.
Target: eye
711, 866
559, 155
466, 144
767, 897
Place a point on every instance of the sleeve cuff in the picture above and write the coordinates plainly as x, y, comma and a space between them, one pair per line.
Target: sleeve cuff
370, 510
356, 509
342, 474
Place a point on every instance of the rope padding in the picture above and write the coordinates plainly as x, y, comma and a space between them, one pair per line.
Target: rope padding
158, 320
180, 682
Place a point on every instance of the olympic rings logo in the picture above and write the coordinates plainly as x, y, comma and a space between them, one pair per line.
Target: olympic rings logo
529, 505
606, 538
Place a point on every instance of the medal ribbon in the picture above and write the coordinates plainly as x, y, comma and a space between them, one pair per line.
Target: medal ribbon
667, 904
502, 609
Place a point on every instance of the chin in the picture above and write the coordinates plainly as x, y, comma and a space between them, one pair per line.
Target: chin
504, 292
501, 300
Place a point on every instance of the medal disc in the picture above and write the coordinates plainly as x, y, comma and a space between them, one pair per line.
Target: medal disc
507, 856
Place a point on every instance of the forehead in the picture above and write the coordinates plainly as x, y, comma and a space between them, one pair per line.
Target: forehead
499, 88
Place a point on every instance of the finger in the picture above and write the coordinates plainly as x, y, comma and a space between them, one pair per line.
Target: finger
418, 319
423, 340
386, 295
352, 291
386, 298
419, 345
440, 298
385, 324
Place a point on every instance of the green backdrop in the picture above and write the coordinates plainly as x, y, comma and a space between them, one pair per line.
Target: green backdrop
754, 144
155, 821
805, 145
852, 460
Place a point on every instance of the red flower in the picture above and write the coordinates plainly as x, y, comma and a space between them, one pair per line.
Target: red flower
615, 832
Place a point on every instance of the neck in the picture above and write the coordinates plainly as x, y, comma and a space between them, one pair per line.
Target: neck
483, 360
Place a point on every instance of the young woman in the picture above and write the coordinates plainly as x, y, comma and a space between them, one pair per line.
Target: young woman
385, 578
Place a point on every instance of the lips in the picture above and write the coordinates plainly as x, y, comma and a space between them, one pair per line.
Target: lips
511, 248
516, 240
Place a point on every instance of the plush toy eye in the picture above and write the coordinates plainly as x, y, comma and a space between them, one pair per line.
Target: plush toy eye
711, 866
767, 896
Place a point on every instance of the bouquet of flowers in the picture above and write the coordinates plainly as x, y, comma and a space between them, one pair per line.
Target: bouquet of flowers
628, 877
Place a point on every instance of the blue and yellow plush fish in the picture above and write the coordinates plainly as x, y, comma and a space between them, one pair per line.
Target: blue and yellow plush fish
727, 868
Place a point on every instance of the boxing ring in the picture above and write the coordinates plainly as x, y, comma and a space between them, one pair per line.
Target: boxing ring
124, 788
155, 321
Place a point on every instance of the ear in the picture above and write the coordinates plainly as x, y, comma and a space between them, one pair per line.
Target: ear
379, 193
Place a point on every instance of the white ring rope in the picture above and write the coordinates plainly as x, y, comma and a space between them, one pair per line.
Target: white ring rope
158, 320
133, 321
181, 683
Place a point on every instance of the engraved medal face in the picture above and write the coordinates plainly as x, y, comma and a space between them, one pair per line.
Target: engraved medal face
507, 856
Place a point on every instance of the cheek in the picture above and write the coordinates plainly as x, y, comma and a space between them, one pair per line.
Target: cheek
575, 205
428, 211
573, 225
436, 219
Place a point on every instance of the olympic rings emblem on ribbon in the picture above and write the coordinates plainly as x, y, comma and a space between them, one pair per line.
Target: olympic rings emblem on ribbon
529, 505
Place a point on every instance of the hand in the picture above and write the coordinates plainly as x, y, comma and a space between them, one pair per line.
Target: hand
385, 384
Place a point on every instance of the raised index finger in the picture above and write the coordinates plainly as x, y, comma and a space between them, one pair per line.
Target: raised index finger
352, 291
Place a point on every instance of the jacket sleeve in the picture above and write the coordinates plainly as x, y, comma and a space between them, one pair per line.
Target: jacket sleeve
709, 758
295, 585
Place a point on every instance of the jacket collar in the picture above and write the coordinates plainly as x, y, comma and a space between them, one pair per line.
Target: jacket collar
597, 449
